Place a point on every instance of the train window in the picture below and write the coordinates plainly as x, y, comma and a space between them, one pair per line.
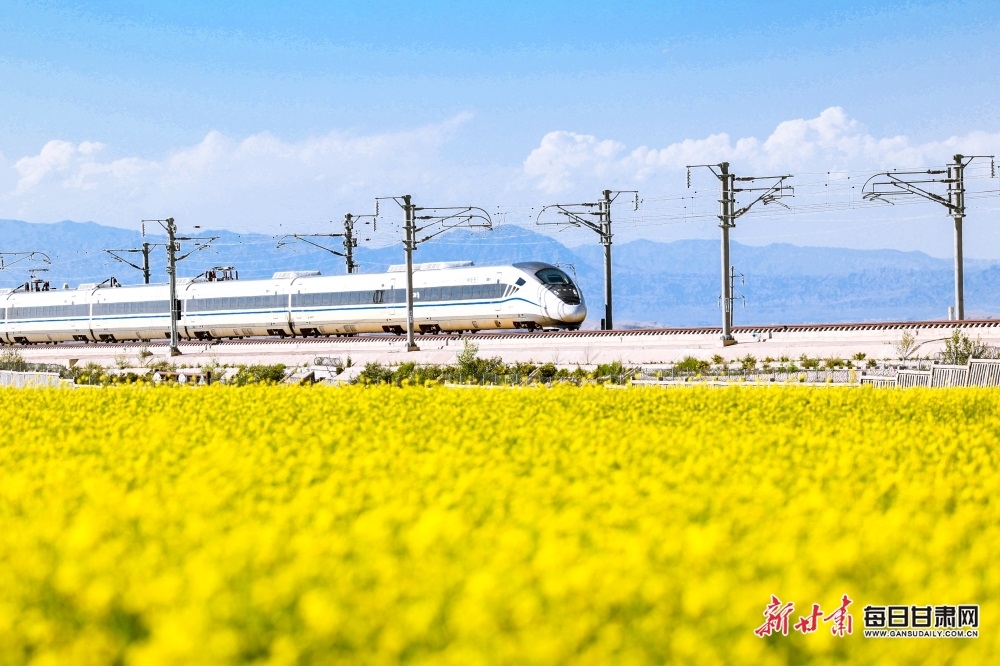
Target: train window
553, 276
520, 282
466, 292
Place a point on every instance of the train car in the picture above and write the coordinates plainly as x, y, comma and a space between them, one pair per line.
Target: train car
139, 312
34, 313
447, 296
220, 306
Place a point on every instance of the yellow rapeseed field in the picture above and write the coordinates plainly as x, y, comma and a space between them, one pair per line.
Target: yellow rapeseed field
285, 525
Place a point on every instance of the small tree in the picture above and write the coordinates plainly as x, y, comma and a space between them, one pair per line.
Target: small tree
259, 374
11, 359
748, 363
471, 366
375, 373
808, 363
692, 364
906, 345
959, 348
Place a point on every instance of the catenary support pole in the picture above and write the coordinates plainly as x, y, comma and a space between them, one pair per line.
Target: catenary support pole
172, 272
606, 242
145, 263
956, 199
349, 243
726, 223
411, 344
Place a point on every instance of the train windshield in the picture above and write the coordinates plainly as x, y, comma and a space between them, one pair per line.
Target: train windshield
553, 276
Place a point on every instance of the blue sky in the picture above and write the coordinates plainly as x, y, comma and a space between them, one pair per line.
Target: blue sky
278, 116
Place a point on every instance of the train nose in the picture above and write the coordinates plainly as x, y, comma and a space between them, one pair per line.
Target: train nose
573, 314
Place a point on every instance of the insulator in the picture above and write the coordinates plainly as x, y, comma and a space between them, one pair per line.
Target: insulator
689, 178
993, 168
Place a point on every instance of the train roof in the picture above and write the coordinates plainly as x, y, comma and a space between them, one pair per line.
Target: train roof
431, 266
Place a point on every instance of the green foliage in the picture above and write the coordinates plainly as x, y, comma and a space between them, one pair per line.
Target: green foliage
11, 359
959, 348
547, 372
860, 356
522, 370
692, 364
471, 366
808, 363
162, 365
259, 374
375, 373
748, 363
833, 363
906, 345
612, 370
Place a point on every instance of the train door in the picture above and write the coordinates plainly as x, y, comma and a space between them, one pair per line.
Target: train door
499, 293
391, 311
281, 315
390, 298
297, 322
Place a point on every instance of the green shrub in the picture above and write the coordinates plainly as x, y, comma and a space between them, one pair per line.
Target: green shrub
258, 374
692, 364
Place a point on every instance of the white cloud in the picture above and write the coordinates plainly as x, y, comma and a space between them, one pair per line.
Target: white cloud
832, 141
254, 182
262, 181
562, 155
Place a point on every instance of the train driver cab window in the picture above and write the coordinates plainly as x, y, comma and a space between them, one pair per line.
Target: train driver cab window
553, 276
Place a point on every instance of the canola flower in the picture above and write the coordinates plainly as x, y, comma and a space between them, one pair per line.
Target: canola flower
286, 525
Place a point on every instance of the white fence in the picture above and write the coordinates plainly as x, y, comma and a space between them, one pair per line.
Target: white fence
32, 379
979, 372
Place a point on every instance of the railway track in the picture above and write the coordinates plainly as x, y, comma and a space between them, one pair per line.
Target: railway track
885, 328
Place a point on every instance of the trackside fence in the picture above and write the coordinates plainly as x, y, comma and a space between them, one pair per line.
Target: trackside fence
32, 379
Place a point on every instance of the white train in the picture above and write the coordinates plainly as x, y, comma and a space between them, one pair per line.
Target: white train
448, 296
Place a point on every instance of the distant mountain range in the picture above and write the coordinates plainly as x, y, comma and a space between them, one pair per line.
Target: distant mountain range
670, 284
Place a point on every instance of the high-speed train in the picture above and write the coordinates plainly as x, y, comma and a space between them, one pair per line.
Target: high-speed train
447, 296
